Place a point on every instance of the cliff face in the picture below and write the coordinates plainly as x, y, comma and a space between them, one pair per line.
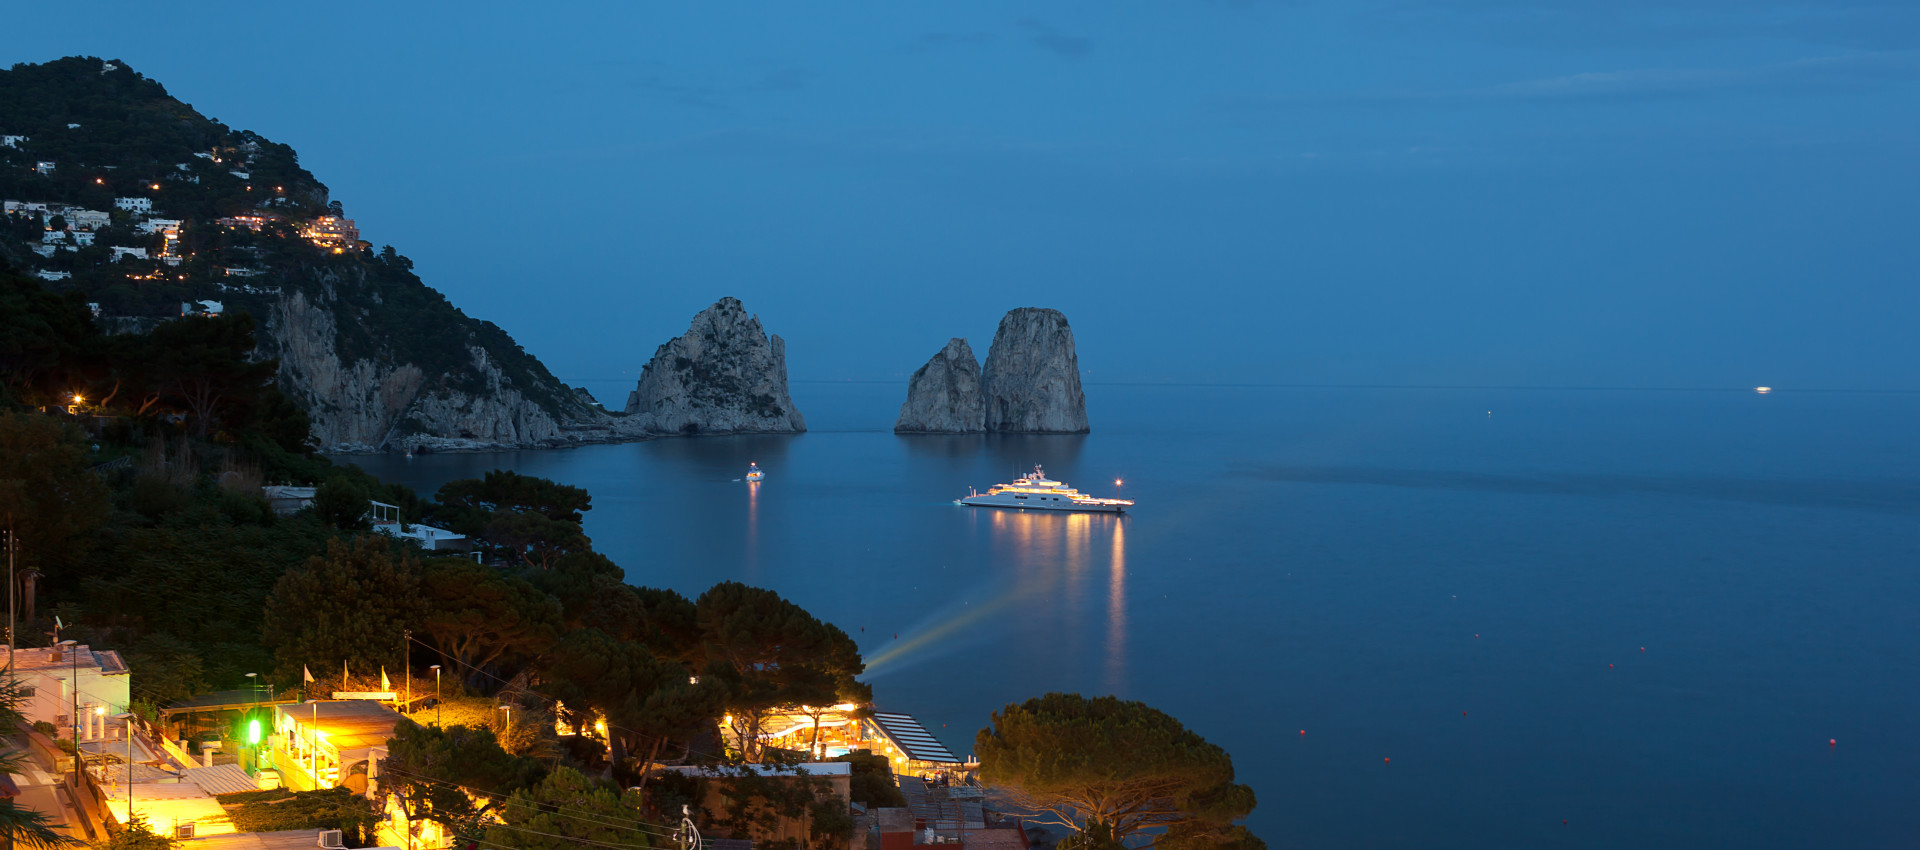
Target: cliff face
944, 396
723, 376
372, 397
1032, 378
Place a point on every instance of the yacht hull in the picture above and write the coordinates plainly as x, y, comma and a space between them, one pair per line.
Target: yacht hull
1035, 505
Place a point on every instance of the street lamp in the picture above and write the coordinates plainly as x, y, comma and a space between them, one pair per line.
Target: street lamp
253, 722
128, 720
509, 724
437, 716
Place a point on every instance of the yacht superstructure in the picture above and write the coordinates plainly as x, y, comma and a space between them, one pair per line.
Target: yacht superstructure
1038, 492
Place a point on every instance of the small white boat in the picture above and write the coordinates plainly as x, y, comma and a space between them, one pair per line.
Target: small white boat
1040, 493
754, 473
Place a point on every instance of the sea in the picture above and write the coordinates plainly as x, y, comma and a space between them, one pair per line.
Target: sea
1429, 617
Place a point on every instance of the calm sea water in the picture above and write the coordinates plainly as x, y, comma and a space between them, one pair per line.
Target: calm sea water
1569, 618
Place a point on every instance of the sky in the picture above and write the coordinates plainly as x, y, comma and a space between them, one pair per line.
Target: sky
1700, 193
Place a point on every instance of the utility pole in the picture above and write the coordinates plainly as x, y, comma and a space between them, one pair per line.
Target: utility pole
10, 606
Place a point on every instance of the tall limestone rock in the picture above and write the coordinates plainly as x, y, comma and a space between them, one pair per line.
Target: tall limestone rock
1032, 379
723, 376
944, 395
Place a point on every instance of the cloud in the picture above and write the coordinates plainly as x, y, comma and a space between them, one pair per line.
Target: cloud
1849, 72
1055, 41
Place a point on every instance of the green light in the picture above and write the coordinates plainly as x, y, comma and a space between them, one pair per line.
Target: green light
253, 731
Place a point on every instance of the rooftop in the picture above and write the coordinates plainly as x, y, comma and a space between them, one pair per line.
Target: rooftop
53, 658
345, 724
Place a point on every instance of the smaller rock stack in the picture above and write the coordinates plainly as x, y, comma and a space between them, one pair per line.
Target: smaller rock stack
944, 396
1031, 383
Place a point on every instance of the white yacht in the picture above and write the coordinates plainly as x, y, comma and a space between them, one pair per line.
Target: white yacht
754, 473
1038, 492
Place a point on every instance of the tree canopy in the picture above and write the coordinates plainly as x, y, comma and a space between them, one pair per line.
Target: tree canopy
1114, 769
349, 605
770, 653
533, 519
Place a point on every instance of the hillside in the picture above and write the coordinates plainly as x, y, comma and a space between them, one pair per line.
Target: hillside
117, 190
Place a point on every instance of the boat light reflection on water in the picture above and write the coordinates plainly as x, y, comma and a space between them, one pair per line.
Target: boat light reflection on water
1046, 566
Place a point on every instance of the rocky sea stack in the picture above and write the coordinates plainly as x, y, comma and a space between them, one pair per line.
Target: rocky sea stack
944, 396
723, 376
1032, 378
1031, 383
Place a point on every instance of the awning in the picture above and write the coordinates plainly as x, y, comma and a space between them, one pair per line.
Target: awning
913, 738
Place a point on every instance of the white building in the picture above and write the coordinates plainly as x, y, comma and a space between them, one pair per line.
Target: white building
45, 250
158, 225
81, 237
241, 174
48, 677
120, 253
50, 274
84, 219
200, 308
386, 520
23, 208
12, 141
139, 205
43, 167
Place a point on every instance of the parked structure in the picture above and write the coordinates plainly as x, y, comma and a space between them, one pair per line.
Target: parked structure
331, 744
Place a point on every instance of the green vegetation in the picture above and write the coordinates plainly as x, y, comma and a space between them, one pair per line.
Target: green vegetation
332, 808
136, 835
567, 810
1113, 769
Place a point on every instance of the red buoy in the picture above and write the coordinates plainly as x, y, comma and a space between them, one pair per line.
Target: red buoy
1387, 761
1643, 649
1609, 666
1832, 741
1303, 731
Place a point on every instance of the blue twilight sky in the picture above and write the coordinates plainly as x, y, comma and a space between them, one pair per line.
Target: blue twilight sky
1624, 193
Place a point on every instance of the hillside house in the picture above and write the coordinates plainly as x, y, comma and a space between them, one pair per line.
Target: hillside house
136, 205
241, 174
47, 682
169, 226
24, 208
45, 250
386, 520
12, 141
43, 167
331, 232
203, 309
85, 219
121, 253
287, 500
50, 274
250, 222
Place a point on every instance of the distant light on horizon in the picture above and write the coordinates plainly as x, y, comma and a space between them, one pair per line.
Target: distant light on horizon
1763, 390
